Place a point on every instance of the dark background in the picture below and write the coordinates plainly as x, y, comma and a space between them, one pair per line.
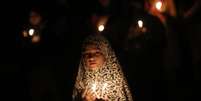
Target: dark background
46, 71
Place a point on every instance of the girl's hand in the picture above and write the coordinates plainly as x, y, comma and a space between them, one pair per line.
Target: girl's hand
88, 95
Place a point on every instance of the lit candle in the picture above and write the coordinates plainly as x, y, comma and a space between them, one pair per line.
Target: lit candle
159, 5
100, 28
31, 32
140, 23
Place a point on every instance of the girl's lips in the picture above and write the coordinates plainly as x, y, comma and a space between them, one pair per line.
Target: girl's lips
92, 63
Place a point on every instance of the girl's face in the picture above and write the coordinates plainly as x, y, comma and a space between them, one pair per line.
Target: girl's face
93, 57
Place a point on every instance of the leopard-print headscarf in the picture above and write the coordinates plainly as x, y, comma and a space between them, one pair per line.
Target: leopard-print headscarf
108, 80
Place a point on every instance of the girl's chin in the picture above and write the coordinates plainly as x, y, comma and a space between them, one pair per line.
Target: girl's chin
93, 67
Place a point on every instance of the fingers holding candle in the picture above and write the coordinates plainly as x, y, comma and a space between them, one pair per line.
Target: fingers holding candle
88, 95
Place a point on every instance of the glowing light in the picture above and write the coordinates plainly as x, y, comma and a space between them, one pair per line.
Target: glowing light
159, 5
31, 32
140, 23
100, 28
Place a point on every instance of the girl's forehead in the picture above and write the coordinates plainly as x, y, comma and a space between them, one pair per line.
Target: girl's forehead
92, 48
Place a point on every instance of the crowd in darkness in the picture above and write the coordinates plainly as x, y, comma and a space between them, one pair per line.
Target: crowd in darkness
162, 64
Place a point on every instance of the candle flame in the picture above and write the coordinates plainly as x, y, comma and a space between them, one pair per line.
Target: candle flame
31, 32
100, 28
140, 23
159, 5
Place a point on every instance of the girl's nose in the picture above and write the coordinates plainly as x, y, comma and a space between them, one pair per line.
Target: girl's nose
91, 58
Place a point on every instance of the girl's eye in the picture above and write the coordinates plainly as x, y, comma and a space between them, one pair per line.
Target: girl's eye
96, 54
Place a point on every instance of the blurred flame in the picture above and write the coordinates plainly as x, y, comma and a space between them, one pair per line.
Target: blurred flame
31, 32
140, 23
159, 5
100, 28
101, 22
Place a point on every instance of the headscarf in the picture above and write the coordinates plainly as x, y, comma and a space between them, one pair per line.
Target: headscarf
108, 80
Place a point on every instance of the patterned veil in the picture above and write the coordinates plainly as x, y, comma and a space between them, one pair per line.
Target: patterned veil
108, 80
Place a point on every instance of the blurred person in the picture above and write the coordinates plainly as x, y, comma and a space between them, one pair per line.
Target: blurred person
34, 28
143, 46
100, 15
166, 9
103, 12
